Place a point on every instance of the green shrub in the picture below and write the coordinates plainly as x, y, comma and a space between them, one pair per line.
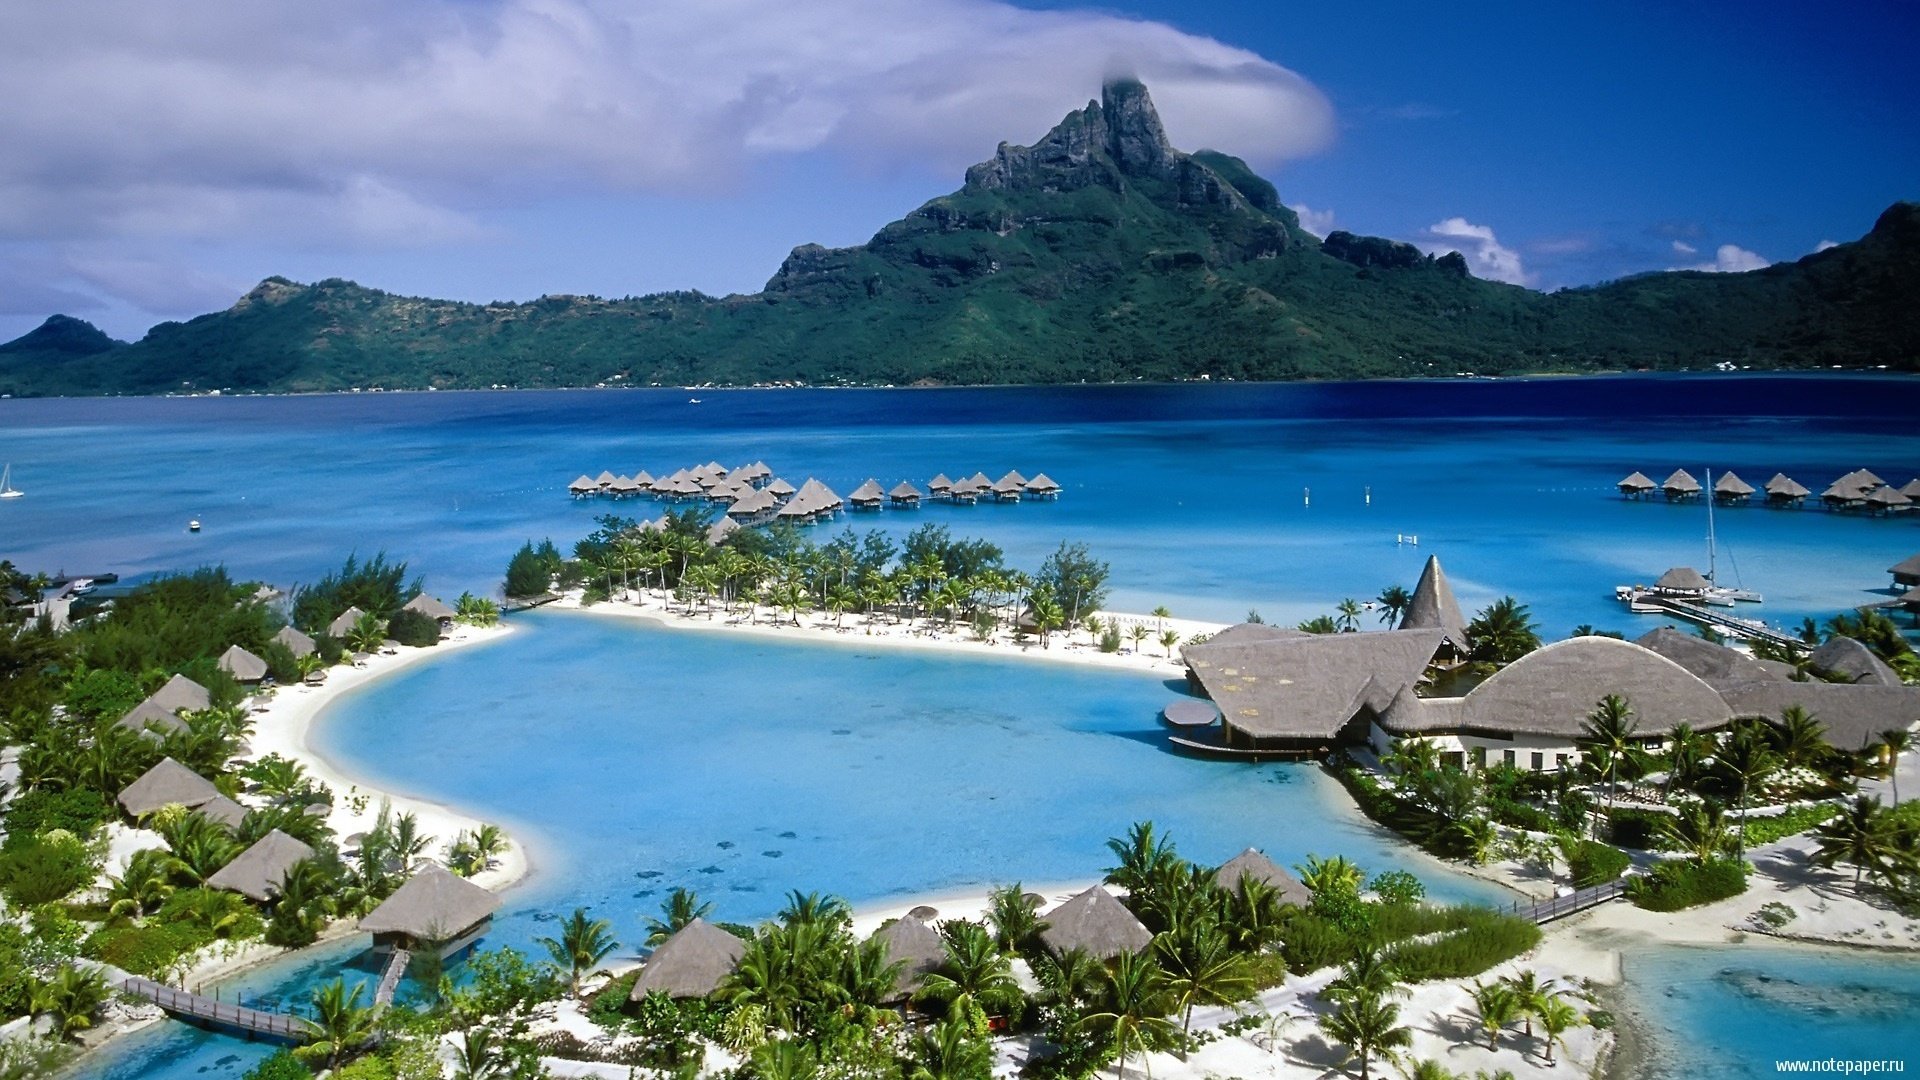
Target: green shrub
1519, 815
1487, 937
330, 649
413, 628
79, 811
1632, 827
148, 949
608, 1007
1595, 863
1798, 819
281, 1066
45, 868
531, 570
1684, 884
1397, 888
282, 666
1110, 638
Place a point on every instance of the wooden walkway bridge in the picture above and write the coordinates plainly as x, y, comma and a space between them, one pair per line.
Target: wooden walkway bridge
212, 1012
390, 978
1559, 907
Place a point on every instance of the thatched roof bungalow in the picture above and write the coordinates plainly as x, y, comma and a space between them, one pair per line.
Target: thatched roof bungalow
1886, 499
343, 622
1682, 581
296, 642
604, 480
1636, 485
940, 485
257, 872
1042, 486
168, 783
690, 964
780, 488
433, 910
1906, 572
919, 946
1009, 487
904, 494
722, 527
868, 496
1849, 660
1305, 695
163, 707
1252, 863
1784, 490
1096, 924
242, 665
1680, 485
1731, 489
583, 487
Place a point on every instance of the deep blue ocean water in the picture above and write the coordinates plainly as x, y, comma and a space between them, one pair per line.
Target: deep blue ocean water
637, 758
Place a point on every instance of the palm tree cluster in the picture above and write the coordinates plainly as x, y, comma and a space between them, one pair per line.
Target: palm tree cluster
930, 577
1878, 842
1524, 998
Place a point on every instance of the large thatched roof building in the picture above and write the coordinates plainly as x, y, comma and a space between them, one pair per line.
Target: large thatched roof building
1433, 607
1096, 924
433, 910
1291, 693
690, 964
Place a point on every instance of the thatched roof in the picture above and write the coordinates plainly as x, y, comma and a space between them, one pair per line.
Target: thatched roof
1551, 691
1715, 664
643, 478
1783, 486
1680, 481
1096, 924
256, 873
296, 642
1252, 863
167, 784
242, 665
1312, 686
223, 810
1247, 632
162, 708
1888, 497
1433, 606
1855, 716
978, 481
584, 483
722, 527
1041, 482
868, 492
756, 502
1013, 477
1912, 488
344, 622
1907, 567
605, 478
939, 483
1636, 481
1190, 712
433, 905
431, 607
1681, 579
779, 487
690, 964
912, 940
1845, 658
1731, 485
904, 490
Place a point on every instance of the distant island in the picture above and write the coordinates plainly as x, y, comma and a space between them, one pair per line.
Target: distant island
1099, 254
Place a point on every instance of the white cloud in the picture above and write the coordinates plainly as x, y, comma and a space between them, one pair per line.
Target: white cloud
1731, 259
1317, 222
1825, 245
1485, 255
1681, 247
398, 124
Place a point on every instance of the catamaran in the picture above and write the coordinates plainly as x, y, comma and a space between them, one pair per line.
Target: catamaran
7, 490
1716, 593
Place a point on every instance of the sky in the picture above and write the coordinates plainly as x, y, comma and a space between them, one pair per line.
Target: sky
161, 158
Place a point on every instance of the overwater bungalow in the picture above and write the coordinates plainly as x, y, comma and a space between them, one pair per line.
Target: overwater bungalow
1681, 485
1096, 924
722, 527
917, 947
690, 964
1253, 863
940, 487
1730, 489
583, 488
1886, 499
257, 872
1682, 582
343, 622
755, 506
663, 485
1637, 485
904, 496
604, 480
1783, 490
163, 707
1912, 489
168, 783
868, 496
1043, 487
1847, 493
1009, 487
296, 642
780, 488
434, 911
624, 487
643, 480
1906, 572
242, 665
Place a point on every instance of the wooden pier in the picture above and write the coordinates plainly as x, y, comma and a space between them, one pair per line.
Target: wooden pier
390, 978
1649, 603
212, 1012
1559, 907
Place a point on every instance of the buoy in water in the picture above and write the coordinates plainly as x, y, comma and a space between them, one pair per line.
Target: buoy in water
193, 525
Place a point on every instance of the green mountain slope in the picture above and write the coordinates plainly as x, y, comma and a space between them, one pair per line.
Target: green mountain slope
1099, 253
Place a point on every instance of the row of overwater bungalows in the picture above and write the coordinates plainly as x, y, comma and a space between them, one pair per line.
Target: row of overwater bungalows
1859, 491
753, 495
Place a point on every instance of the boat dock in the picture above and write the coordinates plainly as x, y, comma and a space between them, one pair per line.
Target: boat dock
1649, 602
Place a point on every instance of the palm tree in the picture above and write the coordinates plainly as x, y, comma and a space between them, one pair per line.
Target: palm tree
405, 843
1048, 616
1365, 1026
1865, 837
1168, 639
366, 633
1347, 616
1320, 624
867, 974
1013, 920
144, 885
478, 1057
582, 944
1497, 1007
949, 1051
1608, 734
1394, 600
1369, 975
1699, 830
1895, 742
681, 907
1747, 762
339, 1023
1503, 632
1142, 856
1253, 914
486, 842
1557, 1017
201, 849
1070, 977
816, 908
1201, 967
1132, 1015
1801, 738
1138, 633
71, 998
1429, 1069
1687, 751
1319, 874
976, 973
1531, 992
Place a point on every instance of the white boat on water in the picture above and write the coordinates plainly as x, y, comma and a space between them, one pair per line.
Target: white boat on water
7, 490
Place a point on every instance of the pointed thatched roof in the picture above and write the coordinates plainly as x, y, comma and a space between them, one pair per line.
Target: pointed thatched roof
1912, 488
1042, 483
939, 483
779, 487
754, 503
722, 527
1681, 482
1887, 497
1681, 579
912, 940
605, 479
256, 873
584, 483
1845, 658
1783, 486
431, 607
978, 481
433, 905
904, 490
1097, 924
1731, 486
643, 478
1637, 481
167, 784
223, 810
1006, 485
690, 964
1908, 567
162, 708
868, 492
296, 642
1013, 477
1254, 864
344, 622
1433, 606
242, 665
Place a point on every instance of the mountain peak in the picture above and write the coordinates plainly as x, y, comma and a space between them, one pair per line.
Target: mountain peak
62, 335
1135, 137
1116, 137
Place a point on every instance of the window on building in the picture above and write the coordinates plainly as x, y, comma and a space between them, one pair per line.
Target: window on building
1509, 757
1539, 761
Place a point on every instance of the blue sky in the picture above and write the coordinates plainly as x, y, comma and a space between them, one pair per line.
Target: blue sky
163, 158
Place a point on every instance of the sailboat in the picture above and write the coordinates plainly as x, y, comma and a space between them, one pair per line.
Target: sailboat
7, 490
1716, 595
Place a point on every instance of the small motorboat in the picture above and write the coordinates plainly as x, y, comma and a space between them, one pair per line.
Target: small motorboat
193, 525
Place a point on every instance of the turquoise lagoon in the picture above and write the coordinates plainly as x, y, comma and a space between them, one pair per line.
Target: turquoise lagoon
637, 758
